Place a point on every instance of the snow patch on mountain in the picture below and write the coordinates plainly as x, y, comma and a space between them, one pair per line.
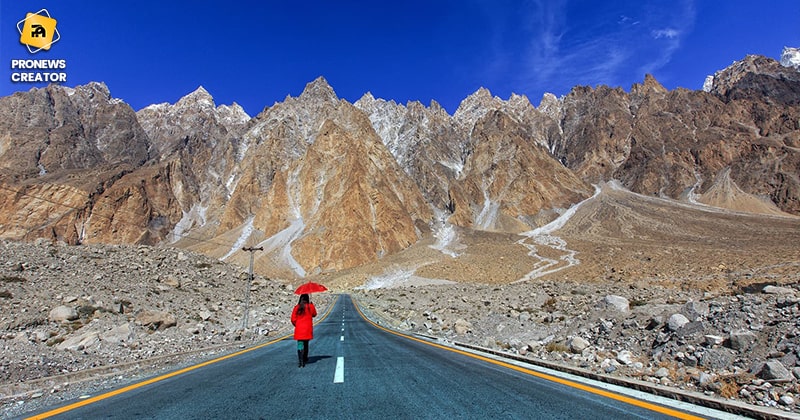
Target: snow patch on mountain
790, 57
195, 217
247, 230
445, 234
708, 84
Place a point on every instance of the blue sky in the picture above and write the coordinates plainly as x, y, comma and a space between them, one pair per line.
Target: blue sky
256, 53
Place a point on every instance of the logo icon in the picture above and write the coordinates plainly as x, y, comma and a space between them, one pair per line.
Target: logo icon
38, 31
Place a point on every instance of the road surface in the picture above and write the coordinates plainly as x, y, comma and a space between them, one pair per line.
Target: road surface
358, 370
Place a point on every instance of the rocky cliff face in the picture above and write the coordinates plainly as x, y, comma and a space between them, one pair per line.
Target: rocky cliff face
47, 131
675, 144
323, 184
60, 149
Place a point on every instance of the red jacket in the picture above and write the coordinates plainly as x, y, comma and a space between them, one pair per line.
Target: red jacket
304, 324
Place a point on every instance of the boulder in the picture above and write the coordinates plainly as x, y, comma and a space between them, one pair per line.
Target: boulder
615, 303
704, 379
624, 357
155, 320
63, 314
119, 334
742, 340
462, 326
777, 290
775, 371
677, 321
578, 344
80, 342
717, 358
695, 310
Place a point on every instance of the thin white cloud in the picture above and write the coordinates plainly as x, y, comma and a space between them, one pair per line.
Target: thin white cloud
665, 33
613, 49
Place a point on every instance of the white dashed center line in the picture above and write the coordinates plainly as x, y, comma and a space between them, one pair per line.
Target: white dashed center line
338, 375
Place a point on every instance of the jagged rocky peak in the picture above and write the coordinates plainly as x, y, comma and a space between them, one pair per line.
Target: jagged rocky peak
319, 89
721, 81
790, 57
550, 106
482, 96
53, 128
370, 104
519, 100
475, 106
746, 70
197, 100
233, 113
199, 96
650, 85
437, 108
92, 92
365, 101
95, 87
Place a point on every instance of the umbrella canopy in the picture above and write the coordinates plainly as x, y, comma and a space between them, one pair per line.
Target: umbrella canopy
310, 287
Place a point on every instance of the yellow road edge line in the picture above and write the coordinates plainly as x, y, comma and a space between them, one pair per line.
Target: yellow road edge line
587, 388
137, 385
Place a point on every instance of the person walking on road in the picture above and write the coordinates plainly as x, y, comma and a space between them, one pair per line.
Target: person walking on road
303, 320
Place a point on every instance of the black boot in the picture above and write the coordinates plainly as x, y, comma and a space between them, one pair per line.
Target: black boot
305, 354
300, 358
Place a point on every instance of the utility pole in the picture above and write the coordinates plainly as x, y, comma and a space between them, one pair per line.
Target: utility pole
249, 281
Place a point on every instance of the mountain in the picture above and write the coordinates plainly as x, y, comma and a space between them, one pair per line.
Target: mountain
790, 57
324, 185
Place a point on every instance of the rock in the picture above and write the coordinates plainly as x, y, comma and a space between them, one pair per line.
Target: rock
786, 400
172, 281
625, 357
777, 290
796, 372
80, 342
661, 373
615, 303
63, 314
774, 371
676, 321
155, 320
695, 310
789, 360
578, 344
742, 340
462, 326
606, 326
704, 379
690, 329
205, 315
655, 322
719, 358
119, 334
713, 340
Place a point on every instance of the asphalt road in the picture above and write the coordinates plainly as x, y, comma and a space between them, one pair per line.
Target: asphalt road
357, 370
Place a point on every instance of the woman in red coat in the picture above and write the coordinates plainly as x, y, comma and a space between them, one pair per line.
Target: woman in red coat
302, 319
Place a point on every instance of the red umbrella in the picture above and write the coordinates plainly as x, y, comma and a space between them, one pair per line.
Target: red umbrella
310, 287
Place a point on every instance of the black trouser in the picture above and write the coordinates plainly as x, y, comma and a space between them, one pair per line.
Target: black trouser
302, 352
